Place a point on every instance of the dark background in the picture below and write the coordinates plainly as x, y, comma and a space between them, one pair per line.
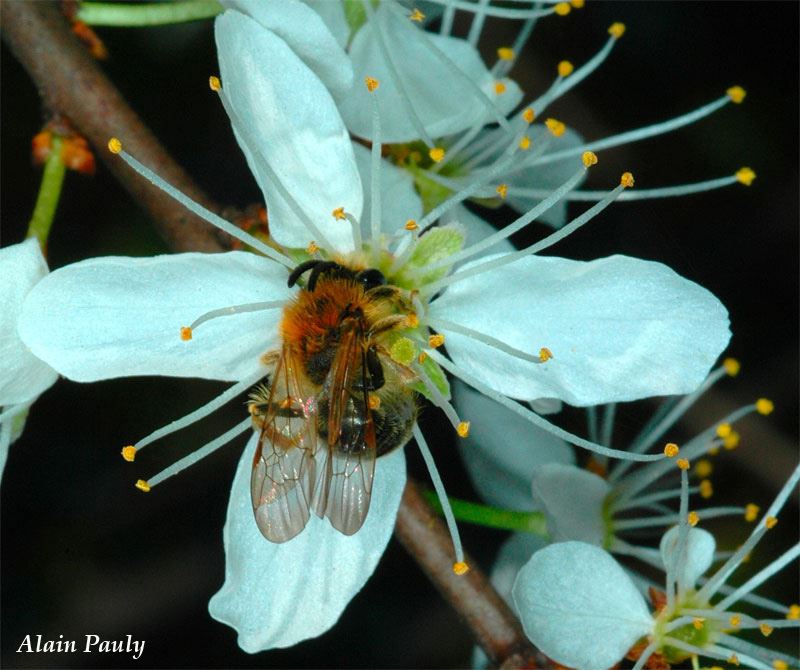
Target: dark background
84, 552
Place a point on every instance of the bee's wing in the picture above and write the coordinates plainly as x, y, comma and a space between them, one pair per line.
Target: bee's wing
344, 485
284, 465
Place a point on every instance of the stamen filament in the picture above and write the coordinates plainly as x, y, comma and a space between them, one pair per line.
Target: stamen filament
443, 324
375, 178
204, 213
437, 398
201, 453
478, 19
667, 519
497, 12
236, 309
438, 485
646, 654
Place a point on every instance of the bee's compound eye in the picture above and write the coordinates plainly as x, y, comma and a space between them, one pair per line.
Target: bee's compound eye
370, 279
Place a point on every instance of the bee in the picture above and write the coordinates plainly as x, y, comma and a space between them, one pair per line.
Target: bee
335, 403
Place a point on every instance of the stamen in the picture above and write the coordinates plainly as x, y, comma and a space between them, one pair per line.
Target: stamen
201, 453
764, 406
375, 174
443, 324
187, 332
503, 12
439, 400
129, 453
478, 19
416, 15
115, 146
531, 416
142, 485
200, 412
438, 486
649, 650
565, 68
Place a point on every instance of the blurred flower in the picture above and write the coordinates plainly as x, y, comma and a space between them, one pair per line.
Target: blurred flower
581, 608
23, 377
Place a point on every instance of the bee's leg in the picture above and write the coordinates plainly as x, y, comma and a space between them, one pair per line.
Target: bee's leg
324, 266
300, 270
388, 323
375, 370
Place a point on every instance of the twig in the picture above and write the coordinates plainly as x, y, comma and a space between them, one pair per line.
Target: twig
71, 83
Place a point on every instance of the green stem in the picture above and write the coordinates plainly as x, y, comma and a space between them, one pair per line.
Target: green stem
493, 517
49, 194
148, 14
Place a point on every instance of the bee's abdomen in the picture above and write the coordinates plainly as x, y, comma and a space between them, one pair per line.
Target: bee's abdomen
394, 420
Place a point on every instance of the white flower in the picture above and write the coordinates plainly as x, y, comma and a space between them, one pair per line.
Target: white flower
23, 377
618, 327
581, 608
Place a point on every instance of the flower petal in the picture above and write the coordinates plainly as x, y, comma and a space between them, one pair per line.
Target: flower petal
399, 199
579, 607
332, 13
445, 103
116, 316
306, 33
22, 375
619, 328
287, 122
700, 547
573, 501
276, 595
503, 451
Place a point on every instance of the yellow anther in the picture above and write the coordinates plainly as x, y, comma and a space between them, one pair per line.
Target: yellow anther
735, 621
713, 451
732, 441
770, 522
779, 664
764, 406
435, 341
626, 180
589, 158
412, 320
724, 429
716, 667
699, 622
616, 30
129, 453
460, 568
421, 358
436, 154
732, 366
411, 225
683, 463
706, 489
693, 518
745, 176
577, 4
555, 127
186, 333
766, 629
502, 191
499, 88
703, 468
736, 94
671, 450
374, 401
114, 145
416, 15
545, 354
214, 83
371, 83
525, 143
565, 68
562, 8
505, 53
793, 613
733, 659
528, 115
338, 213
751, 512
142, 485
463, 429
312, 247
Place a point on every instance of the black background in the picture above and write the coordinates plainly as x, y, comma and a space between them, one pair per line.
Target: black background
84, 552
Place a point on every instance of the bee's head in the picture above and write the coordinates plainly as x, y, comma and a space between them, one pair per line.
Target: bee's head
370, 278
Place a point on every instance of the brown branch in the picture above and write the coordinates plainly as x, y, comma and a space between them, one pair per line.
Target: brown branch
71, 83
492, 623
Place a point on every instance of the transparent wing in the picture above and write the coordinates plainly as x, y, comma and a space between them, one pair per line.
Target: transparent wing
344, 484
284, 464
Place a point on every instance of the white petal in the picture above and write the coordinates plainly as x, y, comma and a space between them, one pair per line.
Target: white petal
619, 328
276, 595
288, 122
573, 501
332, 13
116, 316
503, 451
579, 607
22, 375
699, 555
444, 103
399, 199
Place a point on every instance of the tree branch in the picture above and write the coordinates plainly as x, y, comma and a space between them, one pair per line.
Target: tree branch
71, 83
